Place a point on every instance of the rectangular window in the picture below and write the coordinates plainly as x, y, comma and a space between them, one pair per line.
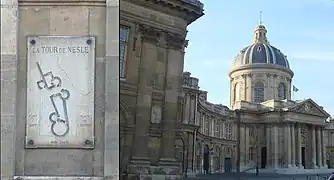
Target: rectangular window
123, 46
228, 131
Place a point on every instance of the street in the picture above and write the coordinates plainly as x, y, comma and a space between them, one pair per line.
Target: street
267, 176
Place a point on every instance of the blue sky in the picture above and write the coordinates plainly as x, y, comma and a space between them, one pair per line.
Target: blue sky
303, 30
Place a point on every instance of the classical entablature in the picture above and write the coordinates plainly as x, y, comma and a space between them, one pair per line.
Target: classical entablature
214, 109
190, 10
305, 111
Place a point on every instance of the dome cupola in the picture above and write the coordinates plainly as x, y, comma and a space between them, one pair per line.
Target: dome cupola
260, 72
261, 52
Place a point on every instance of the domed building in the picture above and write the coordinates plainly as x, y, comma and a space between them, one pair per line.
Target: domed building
263, 127
281, 133
168, 128
260, 72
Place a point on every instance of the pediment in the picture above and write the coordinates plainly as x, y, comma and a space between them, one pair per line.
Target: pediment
309, 107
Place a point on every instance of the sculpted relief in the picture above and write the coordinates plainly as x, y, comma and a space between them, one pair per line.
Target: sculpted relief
59, 116
308, 108
162, 37
156, 115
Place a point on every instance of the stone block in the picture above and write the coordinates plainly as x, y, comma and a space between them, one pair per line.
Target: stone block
72, 20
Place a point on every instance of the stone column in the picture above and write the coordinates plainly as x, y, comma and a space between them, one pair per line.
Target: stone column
313, 147
246, 145
175, 57
293, 146
298, 146
268, 144
318, 148
186, 109
242, 146
274, 139
9, 61
190, 154
144, 102
287, 144
111, 133
323, 148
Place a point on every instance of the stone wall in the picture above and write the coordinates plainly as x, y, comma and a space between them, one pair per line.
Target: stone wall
62, 18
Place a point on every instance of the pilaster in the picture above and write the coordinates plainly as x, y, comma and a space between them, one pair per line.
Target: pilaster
323, 148
248, 89
275, 152
139, 162
246, 145
175, 45
268, 144
111, 120
9, 61
242, 146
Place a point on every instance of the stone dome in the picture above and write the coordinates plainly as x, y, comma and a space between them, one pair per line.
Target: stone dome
261, 52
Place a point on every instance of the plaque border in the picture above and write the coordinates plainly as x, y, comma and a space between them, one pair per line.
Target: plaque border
29, 138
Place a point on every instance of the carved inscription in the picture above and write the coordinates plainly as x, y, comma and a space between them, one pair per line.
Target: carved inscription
57, 50
60, 92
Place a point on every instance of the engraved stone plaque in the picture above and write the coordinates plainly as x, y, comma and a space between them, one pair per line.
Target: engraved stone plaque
60, 92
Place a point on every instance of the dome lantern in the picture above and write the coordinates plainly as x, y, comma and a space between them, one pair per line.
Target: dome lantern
260, 34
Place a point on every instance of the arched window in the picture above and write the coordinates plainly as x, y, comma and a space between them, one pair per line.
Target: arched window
237, 92
281, 91
258, 92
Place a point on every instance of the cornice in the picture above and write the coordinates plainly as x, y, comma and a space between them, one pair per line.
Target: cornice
212, 138
213, 113
261, 66
135, 19
161, 37
177, 8
98, 3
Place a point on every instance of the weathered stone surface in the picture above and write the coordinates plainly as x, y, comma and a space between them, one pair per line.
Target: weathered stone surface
60, 101
9, 24
57, 178
64, 18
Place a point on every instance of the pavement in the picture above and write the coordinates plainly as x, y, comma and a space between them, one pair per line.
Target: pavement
264, 176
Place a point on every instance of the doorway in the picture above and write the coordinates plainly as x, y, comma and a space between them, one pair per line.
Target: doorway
263, 157
228, 165
206, 158
303, 156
